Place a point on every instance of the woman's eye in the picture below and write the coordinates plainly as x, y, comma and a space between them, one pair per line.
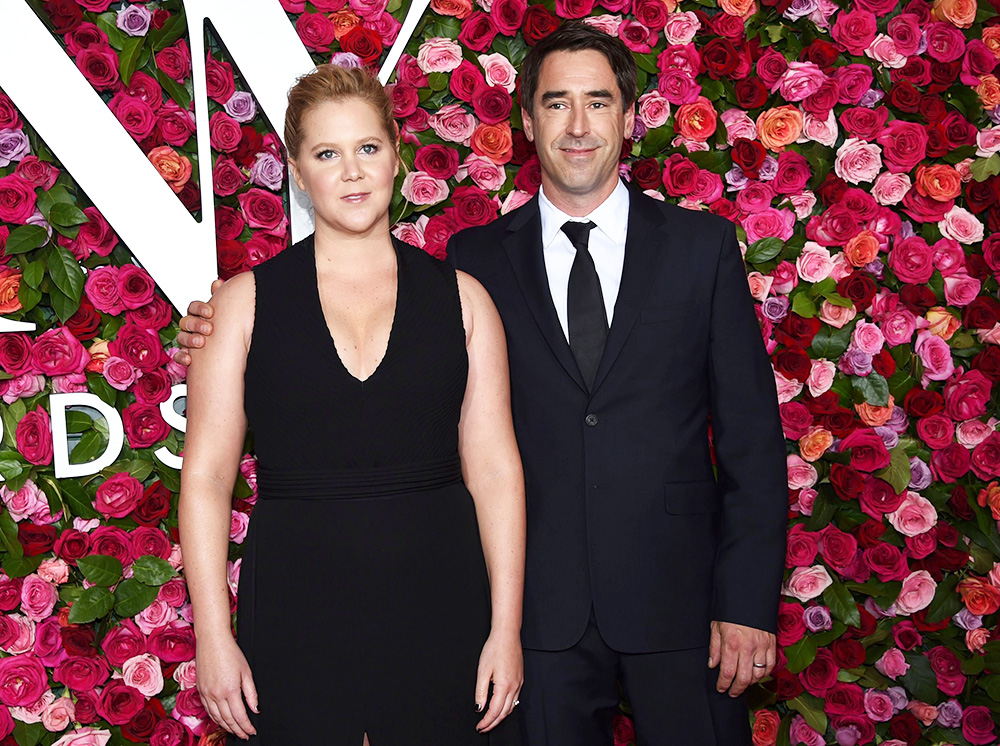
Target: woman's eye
325, 155
369, 148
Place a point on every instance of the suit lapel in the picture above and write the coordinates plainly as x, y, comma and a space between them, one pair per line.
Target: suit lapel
523, 244
645, 244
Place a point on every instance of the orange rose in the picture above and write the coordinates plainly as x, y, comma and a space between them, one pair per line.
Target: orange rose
343, 21
493, 141
172, 166
861, 249
779, 127
989, 90
697, 120
961, 13
458, 8
875, 416
942, 323
98, 354
940, 182
739, 8
10, 283
975, 639
815, 443
991, 38
979, 596
990, 496
923, 712
765, 727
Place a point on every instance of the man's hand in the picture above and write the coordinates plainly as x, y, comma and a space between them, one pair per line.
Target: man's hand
195, 327
735, 649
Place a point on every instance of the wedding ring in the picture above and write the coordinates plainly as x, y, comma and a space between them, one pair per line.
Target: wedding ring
517, 702
760, 665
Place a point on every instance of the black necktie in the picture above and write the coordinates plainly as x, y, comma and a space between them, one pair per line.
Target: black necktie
588, 320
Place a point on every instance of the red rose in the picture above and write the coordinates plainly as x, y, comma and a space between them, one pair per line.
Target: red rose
251, 143
748, 155
264, 210
473, 206
99, 65
86, 708
219, 81
34, 437
967, 396
822, 53
792, 362
848, 653
982, 194
15, 353
801, 548
17, 200
821, 674
986, 457
719, 58
364, 42
508, 15
10, 594
190, 197
921, 403
72, 545
154, 505
796, 419
977, 725
123, 642
135, 286
870, 533
65, 15
859, 288
144, 425
175, 60
987, 362
650, 13
79, 640
791, 623
405, 99
36, 539
149, 540
680, 175
840, 422
224, 132
152, 387
464, 81
478, 31
750, 93
864, 123
844, 699
878, 498
228, 223
847, 481
904, 96
140, 347
154, 315
491, 104
529, 177
837, 547
82, 673
796, 330
111, 541
169, 732
883, 363
822, 101
886, 561
868, 452
172, 643
646, 173
84, 323
904, 145
140, 727
539, 22
226, 177
574, 8
316, 31
119, 702
232, 258
786, 684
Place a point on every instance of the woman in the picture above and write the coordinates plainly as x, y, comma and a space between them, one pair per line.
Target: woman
376, 598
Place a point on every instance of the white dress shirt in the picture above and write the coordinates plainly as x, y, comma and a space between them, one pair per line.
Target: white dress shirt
606, 246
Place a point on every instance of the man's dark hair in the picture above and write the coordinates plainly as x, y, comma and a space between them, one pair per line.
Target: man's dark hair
575, 36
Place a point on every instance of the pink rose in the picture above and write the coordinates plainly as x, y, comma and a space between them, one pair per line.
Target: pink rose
794, 173
23, 680
119, 373
654, 109
185, 675
912, 260
878, 705
814, 263
818, 129
33, 438
38, 598
173, 642
681, 27
102, 289
892, 664
904, 145
423, 189
678, 87
883, 50
59, 715
143, 673
899, 327
144, 425
135, 286
806, 583
960, 289
453, 124
123, 642
837, 316
24, 503
118, 495
787, 388
962, 226
264, 210
800, 80
801, 733
917, 592
969, 433
238, 525
499, 72
858, 161
85, 737
967, 395
821, 375
411, 233
439, 55
485, 173
914, 516
855, 30
801, 474
868, 338
985, 460
769, 222
54, 570
57, 352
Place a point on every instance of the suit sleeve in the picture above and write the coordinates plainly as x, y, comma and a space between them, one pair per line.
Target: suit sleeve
750, 448
451, 253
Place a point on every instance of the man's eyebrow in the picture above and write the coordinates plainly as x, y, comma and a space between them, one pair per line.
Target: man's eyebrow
603, 93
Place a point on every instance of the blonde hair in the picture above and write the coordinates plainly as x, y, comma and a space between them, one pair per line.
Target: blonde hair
334, 83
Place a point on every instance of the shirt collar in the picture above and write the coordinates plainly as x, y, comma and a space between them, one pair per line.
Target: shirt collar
610, 217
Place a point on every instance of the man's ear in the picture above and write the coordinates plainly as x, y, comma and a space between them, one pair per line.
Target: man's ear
527, 124
629, 121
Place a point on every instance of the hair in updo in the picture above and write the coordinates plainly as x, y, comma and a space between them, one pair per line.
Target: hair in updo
334, 83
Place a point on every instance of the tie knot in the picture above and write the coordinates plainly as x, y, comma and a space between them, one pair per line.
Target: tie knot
578, 233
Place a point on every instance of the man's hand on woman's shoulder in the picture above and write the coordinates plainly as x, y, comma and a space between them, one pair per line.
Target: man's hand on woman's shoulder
196, 326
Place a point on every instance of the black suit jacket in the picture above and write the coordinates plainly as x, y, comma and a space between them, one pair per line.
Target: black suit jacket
624, 512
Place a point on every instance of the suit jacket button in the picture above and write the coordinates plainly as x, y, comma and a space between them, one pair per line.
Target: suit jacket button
591, 420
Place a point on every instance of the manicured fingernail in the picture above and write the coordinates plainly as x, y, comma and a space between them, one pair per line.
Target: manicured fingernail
479, 707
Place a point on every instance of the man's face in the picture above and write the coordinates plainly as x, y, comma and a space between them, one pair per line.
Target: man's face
578, 126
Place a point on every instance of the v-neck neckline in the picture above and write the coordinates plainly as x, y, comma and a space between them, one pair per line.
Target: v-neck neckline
329, 332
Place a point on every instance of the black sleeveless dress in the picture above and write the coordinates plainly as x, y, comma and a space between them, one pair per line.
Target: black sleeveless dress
363, 596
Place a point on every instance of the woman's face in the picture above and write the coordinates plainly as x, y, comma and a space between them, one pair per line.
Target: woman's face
347, 165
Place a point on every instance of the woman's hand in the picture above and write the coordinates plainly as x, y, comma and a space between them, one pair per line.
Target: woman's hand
500, 662
224, 679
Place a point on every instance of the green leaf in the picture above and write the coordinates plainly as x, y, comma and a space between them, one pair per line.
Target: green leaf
77, 499
920, 680
172, 30
647, 62
984, 168
837, 299
28, 296
116, 37
8, 535
100, 569
803, 305
66, 273
93, 604
897, 473
437, 81
11, 468
801, 654
176, 91
99, 385
764, 250
33, 274
991, 685
946, 602
67, 215
129, 57
811, 708
984, 13
873, 388
842, 604
132, 597
28, 734
830, 343
89, 447
20, 567
62, 304
152, 571
26, 238
712, 89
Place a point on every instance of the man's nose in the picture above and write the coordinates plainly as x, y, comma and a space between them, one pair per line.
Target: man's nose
578, 125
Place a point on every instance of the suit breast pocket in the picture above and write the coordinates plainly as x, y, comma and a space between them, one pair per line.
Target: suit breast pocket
686, 498
664, 314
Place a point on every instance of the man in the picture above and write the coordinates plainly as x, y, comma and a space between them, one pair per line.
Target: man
629, 325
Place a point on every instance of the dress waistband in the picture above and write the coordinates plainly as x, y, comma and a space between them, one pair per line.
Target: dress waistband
346, 484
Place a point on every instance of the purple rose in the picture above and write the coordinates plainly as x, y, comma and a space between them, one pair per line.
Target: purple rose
817, 618
856, 363
134, 20
241, 107
13, 146
345, 59
267, 171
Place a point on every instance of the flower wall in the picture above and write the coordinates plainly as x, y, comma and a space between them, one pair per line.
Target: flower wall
855, 144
